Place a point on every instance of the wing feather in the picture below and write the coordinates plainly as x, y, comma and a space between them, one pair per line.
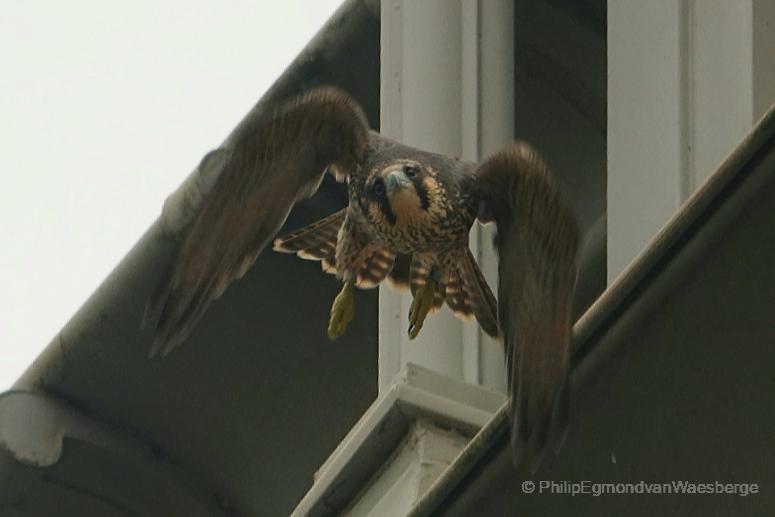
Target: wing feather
481, 298
316, 241
398, 278
537, 242
273, 161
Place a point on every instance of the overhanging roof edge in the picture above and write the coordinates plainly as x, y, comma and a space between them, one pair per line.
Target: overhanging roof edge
182, 204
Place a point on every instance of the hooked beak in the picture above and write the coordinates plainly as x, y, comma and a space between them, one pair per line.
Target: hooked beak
396, 180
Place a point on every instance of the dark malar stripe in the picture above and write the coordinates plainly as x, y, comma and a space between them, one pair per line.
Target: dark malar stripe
384, 205
422, 192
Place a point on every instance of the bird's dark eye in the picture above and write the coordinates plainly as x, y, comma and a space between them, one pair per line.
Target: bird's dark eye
410, 171
378, 187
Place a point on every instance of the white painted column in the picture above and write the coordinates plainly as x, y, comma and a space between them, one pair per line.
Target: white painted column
488, 125
686, 80
447, 86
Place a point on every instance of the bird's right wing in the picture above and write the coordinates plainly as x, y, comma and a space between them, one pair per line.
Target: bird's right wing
271, 163
537, 241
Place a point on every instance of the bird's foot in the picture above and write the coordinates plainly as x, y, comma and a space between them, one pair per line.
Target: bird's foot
342, 311
421, 305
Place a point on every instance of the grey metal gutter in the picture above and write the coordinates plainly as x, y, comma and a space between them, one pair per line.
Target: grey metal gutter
594, 334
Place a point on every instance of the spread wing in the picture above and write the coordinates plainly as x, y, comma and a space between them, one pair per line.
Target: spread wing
272, 162
536, 242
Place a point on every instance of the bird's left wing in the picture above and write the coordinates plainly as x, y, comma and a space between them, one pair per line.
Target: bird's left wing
272, 162
536, 241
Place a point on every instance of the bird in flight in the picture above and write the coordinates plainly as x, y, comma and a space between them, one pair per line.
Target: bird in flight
407, 222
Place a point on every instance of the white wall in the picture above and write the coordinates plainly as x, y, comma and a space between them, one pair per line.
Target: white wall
686, 80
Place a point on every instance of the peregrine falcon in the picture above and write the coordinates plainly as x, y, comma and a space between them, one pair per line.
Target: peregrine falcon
407, 222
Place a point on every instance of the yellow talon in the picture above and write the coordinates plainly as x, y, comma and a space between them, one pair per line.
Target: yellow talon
421, 305
342, 311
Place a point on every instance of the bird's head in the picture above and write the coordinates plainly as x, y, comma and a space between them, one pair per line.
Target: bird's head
403, 193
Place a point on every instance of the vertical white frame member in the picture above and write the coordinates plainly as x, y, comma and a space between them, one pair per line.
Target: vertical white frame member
447, 85
686, 80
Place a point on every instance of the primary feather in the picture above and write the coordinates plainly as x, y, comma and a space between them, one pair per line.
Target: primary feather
537, 240
273, 161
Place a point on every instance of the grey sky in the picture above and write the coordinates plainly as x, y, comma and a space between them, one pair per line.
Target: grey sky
105, 107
